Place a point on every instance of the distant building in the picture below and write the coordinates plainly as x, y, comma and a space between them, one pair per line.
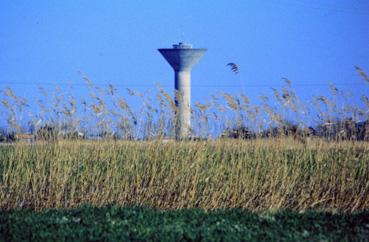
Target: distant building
25, 137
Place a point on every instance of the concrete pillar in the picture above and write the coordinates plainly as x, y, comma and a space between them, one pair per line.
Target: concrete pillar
182, 94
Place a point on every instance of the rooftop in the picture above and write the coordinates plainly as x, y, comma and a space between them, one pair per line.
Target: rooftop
182, 45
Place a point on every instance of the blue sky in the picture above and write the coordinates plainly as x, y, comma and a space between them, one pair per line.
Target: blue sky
48, 42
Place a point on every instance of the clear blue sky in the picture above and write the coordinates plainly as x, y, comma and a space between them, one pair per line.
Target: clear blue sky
47, 42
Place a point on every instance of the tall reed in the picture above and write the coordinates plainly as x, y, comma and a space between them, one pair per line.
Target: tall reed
105, 113
258, 175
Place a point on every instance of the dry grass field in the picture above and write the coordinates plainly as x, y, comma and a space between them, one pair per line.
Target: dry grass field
258, 175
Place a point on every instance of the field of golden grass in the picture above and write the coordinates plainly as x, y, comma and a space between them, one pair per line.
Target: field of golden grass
262, 174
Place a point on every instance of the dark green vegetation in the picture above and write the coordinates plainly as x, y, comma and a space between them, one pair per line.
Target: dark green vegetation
145, 224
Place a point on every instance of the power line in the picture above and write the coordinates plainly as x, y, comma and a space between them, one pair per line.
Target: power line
101, 85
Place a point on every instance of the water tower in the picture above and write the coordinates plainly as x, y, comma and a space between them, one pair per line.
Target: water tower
182, 57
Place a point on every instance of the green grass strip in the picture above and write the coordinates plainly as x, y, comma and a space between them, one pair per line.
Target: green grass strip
111, 223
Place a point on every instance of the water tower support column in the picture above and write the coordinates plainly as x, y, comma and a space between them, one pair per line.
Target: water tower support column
182, 87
